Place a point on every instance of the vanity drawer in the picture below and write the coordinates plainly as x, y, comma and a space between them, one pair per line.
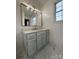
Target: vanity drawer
38, 34
31, 36
41, 34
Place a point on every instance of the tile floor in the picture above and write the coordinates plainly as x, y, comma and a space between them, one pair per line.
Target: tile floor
48, 53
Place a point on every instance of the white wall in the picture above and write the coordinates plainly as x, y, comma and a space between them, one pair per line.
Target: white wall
56, 28
19, 37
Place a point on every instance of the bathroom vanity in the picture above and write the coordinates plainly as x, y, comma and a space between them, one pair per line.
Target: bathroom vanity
35, 40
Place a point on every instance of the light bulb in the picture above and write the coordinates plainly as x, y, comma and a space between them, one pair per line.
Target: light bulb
28, 7
35, 11
32, 9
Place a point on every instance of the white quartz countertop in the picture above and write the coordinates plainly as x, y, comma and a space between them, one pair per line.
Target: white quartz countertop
30, 31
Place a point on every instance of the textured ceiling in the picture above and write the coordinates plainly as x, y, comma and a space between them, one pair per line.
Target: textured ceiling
36, 3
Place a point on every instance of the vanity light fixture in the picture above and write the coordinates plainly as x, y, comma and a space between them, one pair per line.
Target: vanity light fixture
31, 7
37, 10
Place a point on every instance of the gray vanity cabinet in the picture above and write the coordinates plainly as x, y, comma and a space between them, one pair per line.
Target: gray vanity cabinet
34, 41
31, 44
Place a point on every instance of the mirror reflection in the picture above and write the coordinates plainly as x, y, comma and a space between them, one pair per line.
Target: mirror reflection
30, 16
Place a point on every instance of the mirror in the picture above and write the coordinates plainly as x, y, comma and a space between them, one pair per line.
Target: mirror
30, 16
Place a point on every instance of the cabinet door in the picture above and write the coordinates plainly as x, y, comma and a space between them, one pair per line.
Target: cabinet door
43, 37
39, 43
39, 40
47, 35
31, 47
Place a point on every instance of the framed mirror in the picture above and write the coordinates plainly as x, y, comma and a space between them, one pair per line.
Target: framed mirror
30, 16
